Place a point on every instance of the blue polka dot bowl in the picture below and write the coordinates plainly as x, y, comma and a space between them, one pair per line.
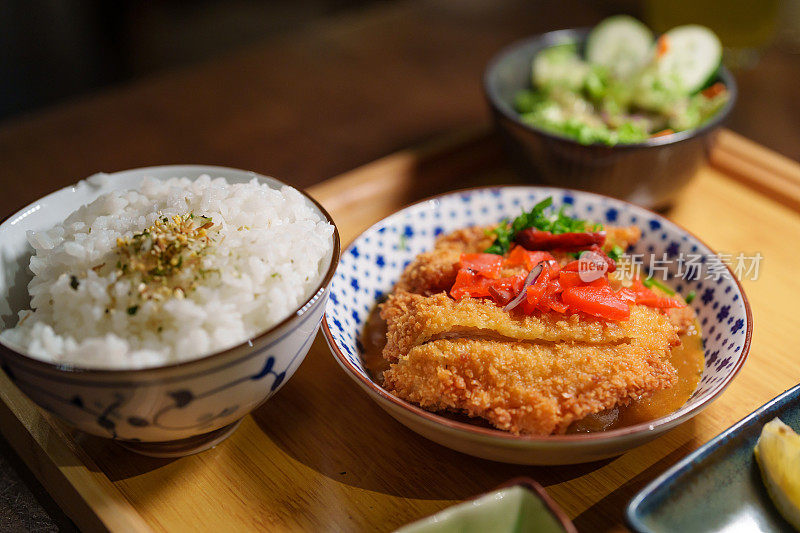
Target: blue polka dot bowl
162, 411
372, 264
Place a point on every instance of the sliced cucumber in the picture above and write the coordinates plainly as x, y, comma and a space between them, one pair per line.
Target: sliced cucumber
559, 66
620, 43
693, 55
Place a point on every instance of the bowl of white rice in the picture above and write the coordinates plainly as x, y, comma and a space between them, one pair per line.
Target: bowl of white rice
159, 306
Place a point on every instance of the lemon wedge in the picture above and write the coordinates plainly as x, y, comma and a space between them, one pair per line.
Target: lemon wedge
778, 454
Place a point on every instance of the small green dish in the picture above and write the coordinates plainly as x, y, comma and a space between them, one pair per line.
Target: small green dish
718, 487
519, 506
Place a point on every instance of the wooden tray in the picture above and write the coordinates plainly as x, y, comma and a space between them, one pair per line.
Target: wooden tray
321, 455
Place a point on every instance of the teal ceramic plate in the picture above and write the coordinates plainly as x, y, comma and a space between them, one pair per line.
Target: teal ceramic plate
718, 487
521, 505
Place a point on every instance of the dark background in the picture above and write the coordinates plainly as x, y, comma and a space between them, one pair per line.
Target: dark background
57, 49
88, 85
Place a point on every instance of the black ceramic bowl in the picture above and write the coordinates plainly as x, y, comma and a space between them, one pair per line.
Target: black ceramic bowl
649, 173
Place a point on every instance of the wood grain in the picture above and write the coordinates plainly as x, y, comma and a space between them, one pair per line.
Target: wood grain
321, 455
760, 168
69, 474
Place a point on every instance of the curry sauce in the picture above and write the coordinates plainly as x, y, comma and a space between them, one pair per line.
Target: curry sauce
687, 358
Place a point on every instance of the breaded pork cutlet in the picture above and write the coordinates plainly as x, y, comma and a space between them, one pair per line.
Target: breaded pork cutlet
526, 374
413, 319
525, 387
622, 236
531, 373
435, 271
682, 318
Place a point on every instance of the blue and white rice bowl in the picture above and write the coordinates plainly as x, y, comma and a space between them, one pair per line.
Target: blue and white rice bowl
177, 405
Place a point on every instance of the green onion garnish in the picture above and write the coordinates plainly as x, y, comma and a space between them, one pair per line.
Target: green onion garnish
616, 252
690, 297
536, 218
651, 282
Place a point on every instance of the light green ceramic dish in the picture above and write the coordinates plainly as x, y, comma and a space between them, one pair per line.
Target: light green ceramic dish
519, 506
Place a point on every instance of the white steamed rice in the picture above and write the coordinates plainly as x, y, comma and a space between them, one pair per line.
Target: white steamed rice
264, 273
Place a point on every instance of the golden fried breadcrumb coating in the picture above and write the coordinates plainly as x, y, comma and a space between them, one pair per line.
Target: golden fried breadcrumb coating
532, 374
526, 387
682, 318
413, 319
622, 236
435, 271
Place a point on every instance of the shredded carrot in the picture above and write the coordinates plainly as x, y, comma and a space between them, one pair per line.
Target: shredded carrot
662, 133
714, 90
662, 47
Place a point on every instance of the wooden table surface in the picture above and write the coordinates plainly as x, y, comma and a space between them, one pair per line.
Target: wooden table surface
341, 92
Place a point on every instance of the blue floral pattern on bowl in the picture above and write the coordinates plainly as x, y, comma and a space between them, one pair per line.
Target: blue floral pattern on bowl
371, 265
159, 410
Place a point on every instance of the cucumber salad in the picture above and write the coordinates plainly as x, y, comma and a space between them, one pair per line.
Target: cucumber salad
627, 86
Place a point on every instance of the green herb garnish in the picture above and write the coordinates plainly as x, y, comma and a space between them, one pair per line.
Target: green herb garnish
651, 282
690, 297
502, 241
567, 224
537, 218
132, 309
616, 252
